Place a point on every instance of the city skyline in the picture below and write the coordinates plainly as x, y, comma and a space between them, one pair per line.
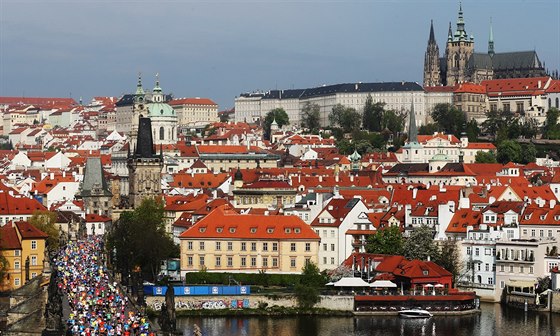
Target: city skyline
219, 50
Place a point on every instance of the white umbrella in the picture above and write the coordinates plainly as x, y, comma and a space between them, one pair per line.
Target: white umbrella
329, 284
428, 285
439, 286
351, 282
383, 284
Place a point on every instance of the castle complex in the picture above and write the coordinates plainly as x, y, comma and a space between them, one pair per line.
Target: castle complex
461, 63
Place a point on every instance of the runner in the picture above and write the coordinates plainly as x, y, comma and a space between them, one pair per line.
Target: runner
98, 307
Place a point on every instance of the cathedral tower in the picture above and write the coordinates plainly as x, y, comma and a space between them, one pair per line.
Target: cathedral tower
144, 166
460, 47
431, 61
138, 110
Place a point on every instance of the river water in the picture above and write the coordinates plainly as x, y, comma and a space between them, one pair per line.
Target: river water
493, 320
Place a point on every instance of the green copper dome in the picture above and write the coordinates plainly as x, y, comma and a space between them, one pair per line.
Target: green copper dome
160, 110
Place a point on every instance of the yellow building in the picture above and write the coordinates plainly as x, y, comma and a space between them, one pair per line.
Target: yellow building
225, 241
19, 242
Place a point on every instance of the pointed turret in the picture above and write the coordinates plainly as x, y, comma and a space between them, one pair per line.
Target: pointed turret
139, 89
432, 39
145, 143
450, 33
491, 41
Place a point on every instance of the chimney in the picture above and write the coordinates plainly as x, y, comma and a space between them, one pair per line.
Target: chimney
414, 193
539, 84
552, 203
51, 176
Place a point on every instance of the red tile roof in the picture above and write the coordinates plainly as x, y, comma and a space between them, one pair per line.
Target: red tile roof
192, 101
225, 223
470, 88
28, 231
8, 238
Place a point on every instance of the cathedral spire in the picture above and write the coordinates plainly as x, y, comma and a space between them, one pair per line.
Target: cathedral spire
139, 89
450, 33
432, 39
461, 34
412, 130
491, 41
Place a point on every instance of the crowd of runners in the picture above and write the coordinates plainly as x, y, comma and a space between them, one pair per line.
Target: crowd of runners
97, 305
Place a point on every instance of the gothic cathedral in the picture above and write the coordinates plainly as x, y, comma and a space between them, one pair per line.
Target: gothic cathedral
462, 64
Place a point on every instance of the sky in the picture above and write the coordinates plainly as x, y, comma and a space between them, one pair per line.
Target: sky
220, 49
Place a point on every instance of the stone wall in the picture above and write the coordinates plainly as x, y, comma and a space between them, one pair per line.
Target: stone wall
248, 301
555, 302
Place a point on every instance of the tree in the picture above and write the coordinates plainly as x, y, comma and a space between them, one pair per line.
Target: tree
449, 118
131, 234
307, 291
344, 117
277, 114
485, 157
46, 222
472, 130
373, 113
528, 153
224, 117
420, 244
393, 121
449, 258
311, 117
428, 129
502, 125
551, 129
387, 240
508, 151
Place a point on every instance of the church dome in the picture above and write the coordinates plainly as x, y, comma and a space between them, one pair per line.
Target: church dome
160, 110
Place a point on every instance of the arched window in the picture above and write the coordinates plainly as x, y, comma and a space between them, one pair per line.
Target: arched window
161, 133
557, 105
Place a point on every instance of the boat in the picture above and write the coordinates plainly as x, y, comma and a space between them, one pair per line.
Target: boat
414, 313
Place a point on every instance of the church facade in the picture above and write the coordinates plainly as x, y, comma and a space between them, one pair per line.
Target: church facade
460, 63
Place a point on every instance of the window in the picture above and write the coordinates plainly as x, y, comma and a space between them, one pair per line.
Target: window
332, 233
33, 260
332, 247
243, 246
265, 262
274, 262
274, 246
521, 269
488, 251
17, 253
476, 251
218, 246
307, 247
243, 261
201, 245
511, 269
332, 260
468, 250
265, 246
487, 267
230, 246
292, 247
324, 260
324, 247
17, 264
16, 282
253, 246
189, 260
501, 268
533, 233
33, 274
502, 284
33, 244
490, 281
253, 261
218, 261
161, 133
230, 261
189, 245
292, 262
531, 267
201, 260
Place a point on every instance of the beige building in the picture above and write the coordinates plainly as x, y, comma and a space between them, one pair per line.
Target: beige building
225, 241
195, 111
227, 157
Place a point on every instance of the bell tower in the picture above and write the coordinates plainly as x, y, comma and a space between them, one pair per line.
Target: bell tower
460, 47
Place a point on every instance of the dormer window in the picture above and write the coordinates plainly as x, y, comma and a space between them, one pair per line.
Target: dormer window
287, 230
425, 272
202, 229
232, 230
219, 229
253, 230
297, 230
527, 216
270, 230
543, 217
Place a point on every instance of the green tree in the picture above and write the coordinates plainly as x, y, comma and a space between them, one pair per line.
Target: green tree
528, 153
485, 157
393, 121
307, 291
502, 125
449, 119
428, 129
373, 113
551, 129
344, 117
46, 222
310, 117
472, 130
388, 240
508, 151
277, 114
420, 244
530, 128
139, 239
449, 258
